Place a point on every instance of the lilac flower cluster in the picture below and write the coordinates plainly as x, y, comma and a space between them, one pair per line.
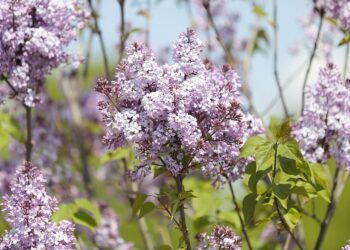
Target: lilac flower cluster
323, 131
185, 112
33, 37
29, 209
337, 9
220, 238
347, 247
107, 232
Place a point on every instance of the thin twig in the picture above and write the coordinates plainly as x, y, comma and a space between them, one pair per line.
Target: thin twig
279, 212
229, 57
238, 211
166, 209
122, 29
28, 142
15, 92
288, 81
88, 55
183, 226
330, 211
275, 59
313, 53
346, 60
100, 37
311, 215
141, 223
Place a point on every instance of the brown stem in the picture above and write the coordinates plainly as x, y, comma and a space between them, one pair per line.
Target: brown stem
275, 60
28, 142
330, 211
313, 53
238, 211
182, 221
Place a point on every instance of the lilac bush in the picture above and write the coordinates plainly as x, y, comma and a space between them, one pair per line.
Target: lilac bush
34, 36
323, 131
28, 210
134, 162
189, 110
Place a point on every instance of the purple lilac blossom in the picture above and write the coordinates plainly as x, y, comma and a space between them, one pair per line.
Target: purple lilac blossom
337, 9
323, 131
347, 247
107, 232
29, 209
187, 111
34, 35
220, 238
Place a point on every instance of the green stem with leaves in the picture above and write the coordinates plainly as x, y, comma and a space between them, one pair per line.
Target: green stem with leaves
330, 211
275, 201
28, 142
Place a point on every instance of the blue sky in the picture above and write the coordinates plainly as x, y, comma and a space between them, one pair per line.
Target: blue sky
169, 19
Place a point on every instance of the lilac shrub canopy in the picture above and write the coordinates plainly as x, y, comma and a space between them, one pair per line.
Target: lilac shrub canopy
34, 35
29, 209
323, 131
188, 111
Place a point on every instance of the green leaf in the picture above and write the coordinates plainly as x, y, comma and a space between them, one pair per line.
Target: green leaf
201, 222
265, 155
259, 11
139, 200
281, 192
251, 168
292, 217
83, 218
254, 179
249, 204
118, 154
290, 149
159, 171
165, 247
249, 147
330, 20
344, 40
90, 207
146, 208
288, 165
64, 212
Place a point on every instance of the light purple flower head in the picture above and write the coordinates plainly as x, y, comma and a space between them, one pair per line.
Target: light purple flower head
34, 35
337, 9
107, 232
29, 209
181, 115
220, 238
347, 247
323, 131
